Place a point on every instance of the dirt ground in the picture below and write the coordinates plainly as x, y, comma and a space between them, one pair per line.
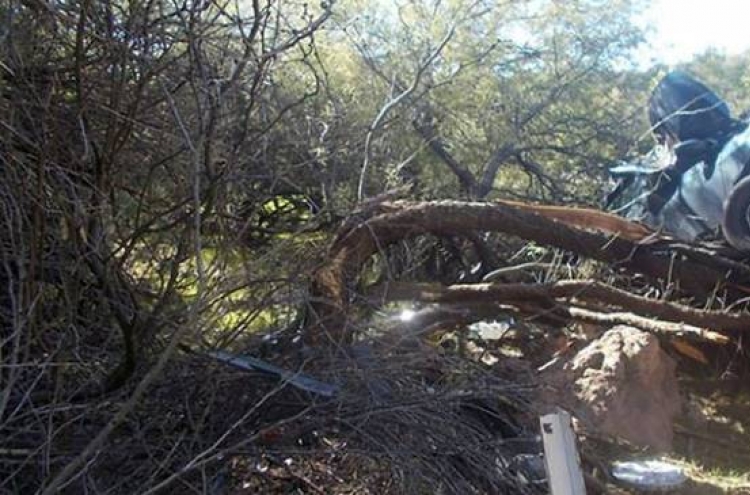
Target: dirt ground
713, 436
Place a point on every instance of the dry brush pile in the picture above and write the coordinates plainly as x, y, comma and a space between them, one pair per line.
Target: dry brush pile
154, 209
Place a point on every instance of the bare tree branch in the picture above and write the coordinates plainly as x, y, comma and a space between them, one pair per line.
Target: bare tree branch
375, 125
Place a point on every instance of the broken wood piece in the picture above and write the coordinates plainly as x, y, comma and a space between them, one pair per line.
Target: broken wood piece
591, 219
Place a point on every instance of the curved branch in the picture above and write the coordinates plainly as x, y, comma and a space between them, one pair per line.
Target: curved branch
359, 240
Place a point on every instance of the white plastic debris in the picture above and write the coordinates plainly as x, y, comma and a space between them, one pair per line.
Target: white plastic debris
490, 330
649, 475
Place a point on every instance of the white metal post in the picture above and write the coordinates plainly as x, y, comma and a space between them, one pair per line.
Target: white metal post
561, 455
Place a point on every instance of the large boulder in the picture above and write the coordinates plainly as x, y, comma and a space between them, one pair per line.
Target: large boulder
623, 384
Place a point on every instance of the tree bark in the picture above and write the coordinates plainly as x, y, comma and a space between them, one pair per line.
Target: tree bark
616, 242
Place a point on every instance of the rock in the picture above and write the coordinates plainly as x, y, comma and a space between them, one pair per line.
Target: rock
622, 384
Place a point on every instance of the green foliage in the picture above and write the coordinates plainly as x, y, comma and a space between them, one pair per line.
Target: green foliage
168, 132
549, 80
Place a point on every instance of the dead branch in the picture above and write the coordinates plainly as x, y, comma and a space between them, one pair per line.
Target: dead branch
394, 102
686, 321
648, 324
722, 321
429, 134
359, 240
577, 290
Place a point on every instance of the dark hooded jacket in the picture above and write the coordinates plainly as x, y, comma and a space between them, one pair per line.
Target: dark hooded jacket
698, 124
684, 108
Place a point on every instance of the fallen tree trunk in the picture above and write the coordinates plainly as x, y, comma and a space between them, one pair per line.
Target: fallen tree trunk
617, 242
581, 290
629, 309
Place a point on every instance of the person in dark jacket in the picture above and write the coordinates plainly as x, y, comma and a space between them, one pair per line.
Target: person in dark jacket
681, 108
693, 122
